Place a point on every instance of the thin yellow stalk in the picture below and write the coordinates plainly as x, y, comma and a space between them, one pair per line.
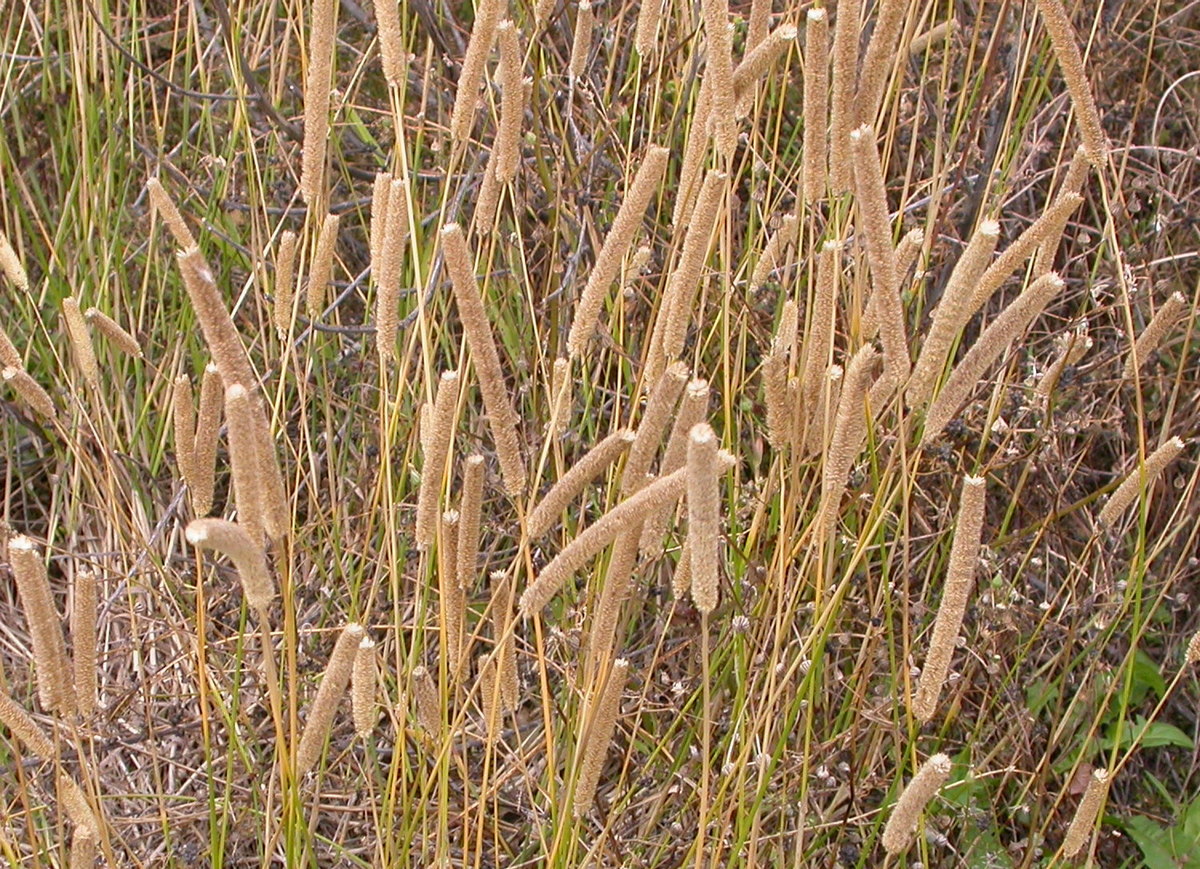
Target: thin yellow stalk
502, 419
1086, 813
1062, 37
24, 728
393, 57
898, 833
505, 656
506, 151
960, 576
329, 693
951, 315
470, 511
204, 451
581, 44
816, 104
719, 70
996, 338
1160, 324
219, 332
582, 472
470, 77
849, 432
54, 678
596, 737
30, 391
246, 553
616, 244
841, 113
436, 455
165, 206
704, 515
84, 607
362, 685
113, 331
880, 59
316, 100
1143, 476
322, 266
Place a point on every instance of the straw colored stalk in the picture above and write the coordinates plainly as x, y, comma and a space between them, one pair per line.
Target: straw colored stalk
362, 687
470, 510
24, 728
692, 410
1072, 183
704, 515
452, 600
719, 70
204, 452
560, 401
960, 576
506, 151
56, 690
582, 472
425, 700
322, 266
316, 100
246, 553
616, 244
1062, 38
877, 234
219, 332
774, 251
1144, 475
77, 805
646, 30
112, 330
661, 494
436, 452
165, 206
1073, 349
84, 607
996, 338
949, 317
818, 342
390, 270
10, 356
1163, 321
501, 608
756, 64
10, 265
30, 391
597, 736
932, 38
849, 432
680, 297
898, 833
393, 57
816, 103
1086, 813
470, 77
285, 283
1048, 226
581, 43
332, 687
880, 59
841, 111
501, 418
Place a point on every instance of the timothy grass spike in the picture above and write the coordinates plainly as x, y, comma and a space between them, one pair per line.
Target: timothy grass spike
816, 104
165, 206
85, 605
24, 728
841, 111
596, 736
329, 693
470, 77
898, 833
593, 463
285, 283
1062, 38
704, 515
322, 266
362, 685
10, 265
56, 690
246, 553
1084, 819
114, 332
30, 391
1146, 473
323, 30
1160, 324
436, 455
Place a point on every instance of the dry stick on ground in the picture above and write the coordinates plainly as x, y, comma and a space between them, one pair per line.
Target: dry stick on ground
1084, 820
1062, 37
85, 604
996, 338
56, 690
960, 576
841, 112
246, 553
596, 736
501, 418
898, 833
849, 432
582, 472
1144, 475
316, 100
436, 451
1160, 324
325, 703
470, 76
616, 243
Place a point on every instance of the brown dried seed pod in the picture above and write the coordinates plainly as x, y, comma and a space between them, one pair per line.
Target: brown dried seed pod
1062, 37
1085, 815
56, 690
204, 453
30, 391
816, 104
704, 515
898, 833
112, 330
316, 100
470, 77
84, 607
1160, 324
329, 693
165, 206
1145, 473
244, 551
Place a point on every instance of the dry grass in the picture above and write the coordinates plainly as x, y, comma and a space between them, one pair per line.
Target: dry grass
614, 226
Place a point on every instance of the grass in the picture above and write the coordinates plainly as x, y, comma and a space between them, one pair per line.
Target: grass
773, 731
